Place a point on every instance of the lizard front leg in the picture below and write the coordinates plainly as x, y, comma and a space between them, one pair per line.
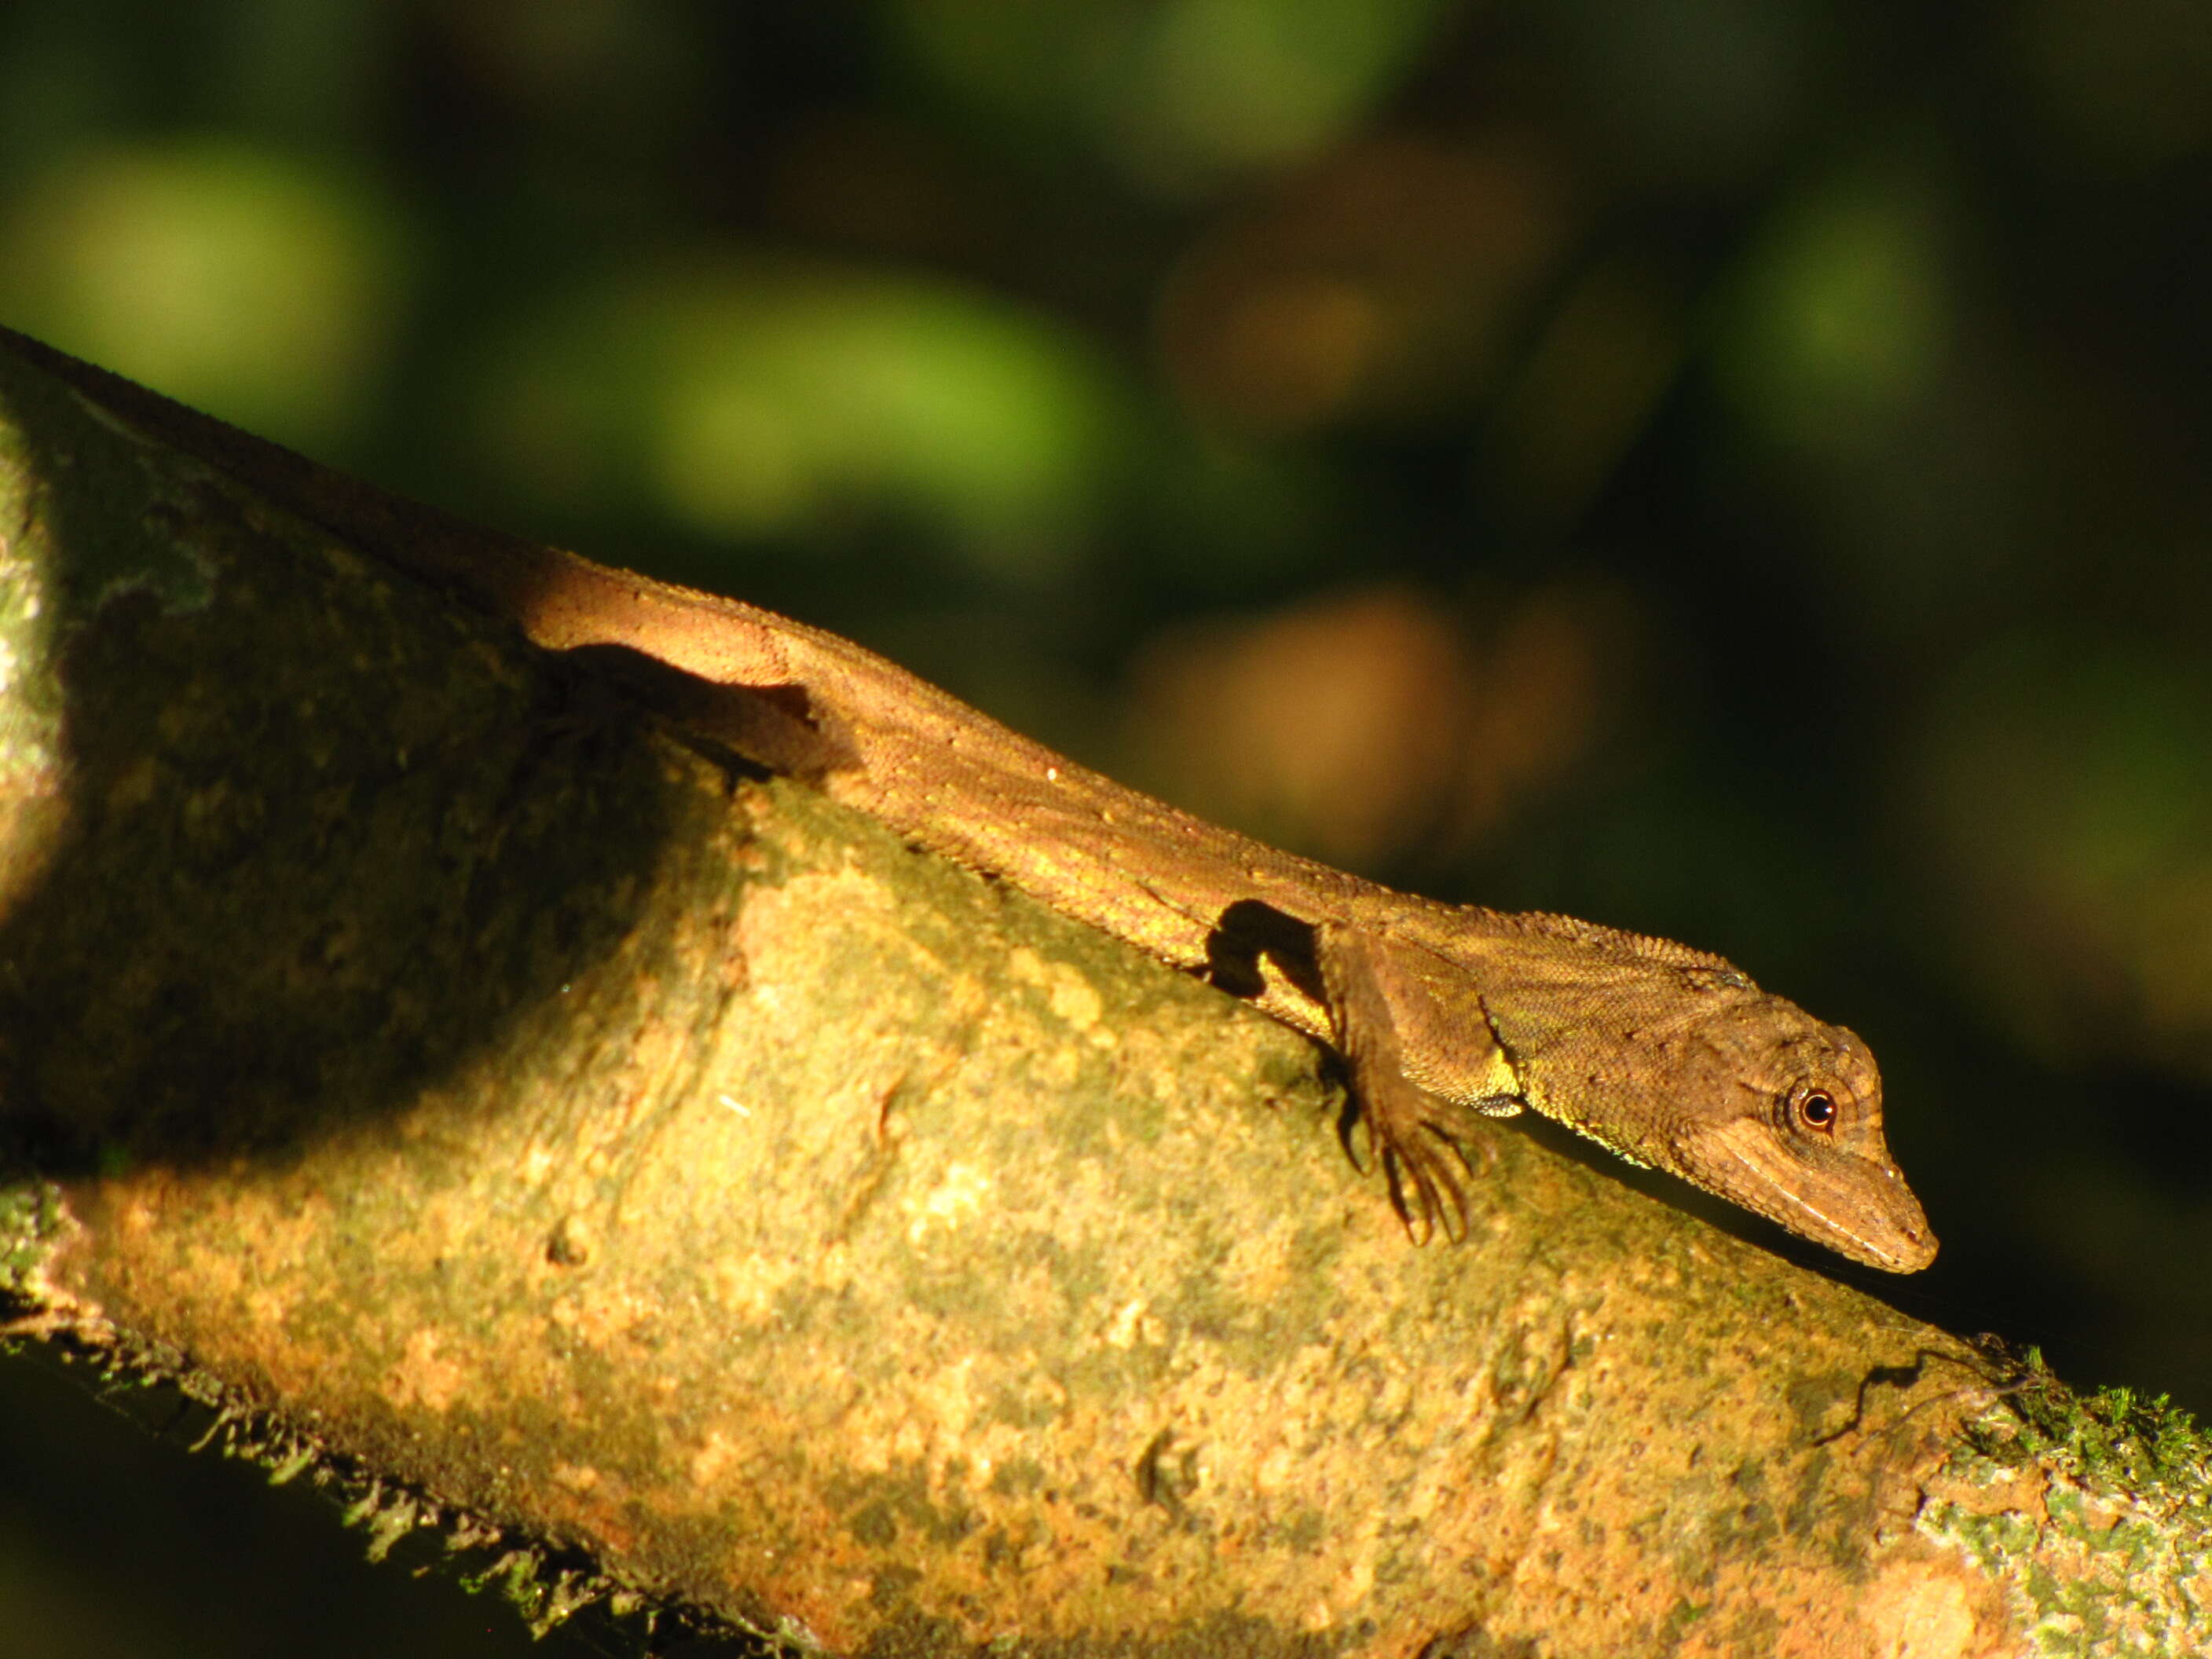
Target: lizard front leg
1416, 1135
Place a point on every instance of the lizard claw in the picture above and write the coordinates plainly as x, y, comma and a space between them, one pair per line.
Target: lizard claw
1425, 1190
1416, 1141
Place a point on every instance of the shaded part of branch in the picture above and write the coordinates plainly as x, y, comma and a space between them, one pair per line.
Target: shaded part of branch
547, 1586
309, 840
424, 1054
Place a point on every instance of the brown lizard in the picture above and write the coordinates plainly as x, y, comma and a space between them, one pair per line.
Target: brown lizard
1669, 1056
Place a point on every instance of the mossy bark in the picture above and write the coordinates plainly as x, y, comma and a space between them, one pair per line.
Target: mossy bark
474, 1084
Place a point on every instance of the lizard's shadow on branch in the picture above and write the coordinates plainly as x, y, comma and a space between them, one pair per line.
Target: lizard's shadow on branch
1716, 1212
302, 839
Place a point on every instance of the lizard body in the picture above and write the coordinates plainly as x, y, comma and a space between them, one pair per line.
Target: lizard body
1668, 1055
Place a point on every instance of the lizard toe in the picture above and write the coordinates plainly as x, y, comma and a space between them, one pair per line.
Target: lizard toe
1425, 1190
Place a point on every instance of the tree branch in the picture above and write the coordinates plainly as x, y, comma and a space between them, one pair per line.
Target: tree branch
465, 1080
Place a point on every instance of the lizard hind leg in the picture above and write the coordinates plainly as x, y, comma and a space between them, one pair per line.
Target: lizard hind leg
1415, 1135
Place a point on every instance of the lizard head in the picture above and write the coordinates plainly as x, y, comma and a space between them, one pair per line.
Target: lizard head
1751, 1098
1793, 1131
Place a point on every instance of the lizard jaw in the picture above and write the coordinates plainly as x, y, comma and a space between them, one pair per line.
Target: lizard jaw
1858, 1206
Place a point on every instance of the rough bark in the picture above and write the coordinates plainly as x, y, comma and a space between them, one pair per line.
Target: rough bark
552, 1133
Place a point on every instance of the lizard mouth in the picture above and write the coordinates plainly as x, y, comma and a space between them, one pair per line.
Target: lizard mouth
1856, 1206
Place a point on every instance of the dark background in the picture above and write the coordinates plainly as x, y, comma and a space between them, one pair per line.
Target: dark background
1735, 469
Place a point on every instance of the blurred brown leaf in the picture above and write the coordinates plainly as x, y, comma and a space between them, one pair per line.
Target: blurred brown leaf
1363, 725
1383, 282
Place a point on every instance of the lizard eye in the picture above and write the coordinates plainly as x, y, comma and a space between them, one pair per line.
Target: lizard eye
1816, 1110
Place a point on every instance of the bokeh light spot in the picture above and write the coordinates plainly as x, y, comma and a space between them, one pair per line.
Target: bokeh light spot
256, 284
1841, 317
748, 399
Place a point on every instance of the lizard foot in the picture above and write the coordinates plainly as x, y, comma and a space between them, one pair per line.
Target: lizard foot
1418, 1142
1414, 1134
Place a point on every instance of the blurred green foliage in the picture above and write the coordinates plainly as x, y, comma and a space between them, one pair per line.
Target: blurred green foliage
754, 400
1735, 468
234, 275
1840, 320
1175, 95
